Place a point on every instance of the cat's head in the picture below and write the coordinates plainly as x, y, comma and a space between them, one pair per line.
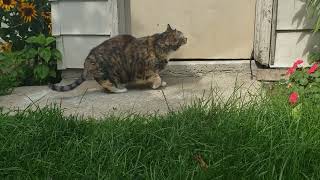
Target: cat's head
172, 39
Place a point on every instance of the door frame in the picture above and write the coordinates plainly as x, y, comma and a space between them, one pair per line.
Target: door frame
265, 31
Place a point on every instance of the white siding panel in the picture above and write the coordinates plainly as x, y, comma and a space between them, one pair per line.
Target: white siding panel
83, 18
76, 48
292, 15
293, 45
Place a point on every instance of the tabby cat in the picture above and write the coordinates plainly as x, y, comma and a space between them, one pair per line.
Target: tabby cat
124, 60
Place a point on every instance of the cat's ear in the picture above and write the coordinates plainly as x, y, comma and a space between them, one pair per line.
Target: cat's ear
169, 28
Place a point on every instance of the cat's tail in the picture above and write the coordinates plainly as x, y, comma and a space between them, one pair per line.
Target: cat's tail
71, 86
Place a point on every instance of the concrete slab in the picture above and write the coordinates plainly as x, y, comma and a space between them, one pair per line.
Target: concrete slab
90, 100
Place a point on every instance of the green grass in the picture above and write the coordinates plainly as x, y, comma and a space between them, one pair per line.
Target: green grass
260, 139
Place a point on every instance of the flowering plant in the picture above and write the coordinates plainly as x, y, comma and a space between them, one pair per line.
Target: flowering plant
21, 19
303, 82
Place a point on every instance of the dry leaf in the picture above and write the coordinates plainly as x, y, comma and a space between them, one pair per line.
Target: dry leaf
201, 162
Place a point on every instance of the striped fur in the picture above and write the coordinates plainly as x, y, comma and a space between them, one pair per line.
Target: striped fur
69, 87
125, 59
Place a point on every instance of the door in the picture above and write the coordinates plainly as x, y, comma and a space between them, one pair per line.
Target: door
216, 29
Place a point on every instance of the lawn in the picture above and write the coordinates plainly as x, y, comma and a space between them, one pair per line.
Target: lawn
256, 139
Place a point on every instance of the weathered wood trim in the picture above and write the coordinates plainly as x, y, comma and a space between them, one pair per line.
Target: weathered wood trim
273, 32
271, 74
55, 19
263, 31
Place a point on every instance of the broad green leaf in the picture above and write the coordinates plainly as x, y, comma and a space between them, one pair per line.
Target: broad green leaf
303, 81
50, 40
32, 39
30, 53
296, 76
45, 53
40, 40
41, 71
57, 54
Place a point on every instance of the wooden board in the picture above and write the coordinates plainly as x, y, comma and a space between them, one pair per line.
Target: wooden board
263, 31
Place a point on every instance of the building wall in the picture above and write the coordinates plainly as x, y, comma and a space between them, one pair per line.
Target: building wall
216, 29
293, 37
81, 25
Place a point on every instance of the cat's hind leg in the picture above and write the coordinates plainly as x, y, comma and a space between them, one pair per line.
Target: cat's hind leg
109, 86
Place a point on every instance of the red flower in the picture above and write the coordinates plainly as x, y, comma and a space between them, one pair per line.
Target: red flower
294, 66
297, 62
291, 70
293, 98
313, 68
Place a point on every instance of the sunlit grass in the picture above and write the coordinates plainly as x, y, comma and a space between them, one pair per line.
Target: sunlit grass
211, 139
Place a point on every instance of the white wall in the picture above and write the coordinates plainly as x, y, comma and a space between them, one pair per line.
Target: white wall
218, 29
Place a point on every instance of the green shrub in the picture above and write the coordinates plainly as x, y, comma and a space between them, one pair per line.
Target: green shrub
41, 57
303, 86
33, 57
11, 71
7, 84
36, 64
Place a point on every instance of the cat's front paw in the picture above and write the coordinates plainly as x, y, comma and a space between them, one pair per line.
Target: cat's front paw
163, 84
155, 86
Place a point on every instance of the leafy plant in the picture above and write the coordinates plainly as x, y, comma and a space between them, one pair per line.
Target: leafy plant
33, 65
11, 71
42, 56
313, 7
303, 83
21, 19
7, 84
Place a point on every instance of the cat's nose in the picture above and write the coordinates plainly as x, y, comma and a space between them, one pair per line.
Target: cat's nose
185, 40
